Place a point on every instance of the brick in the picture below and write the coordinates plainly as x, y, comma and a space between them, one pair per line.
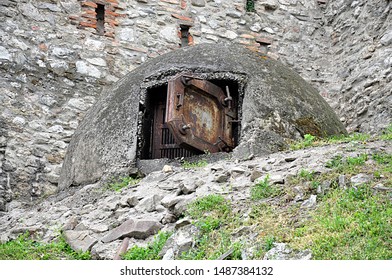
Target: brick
73, 17
111, 22
176, 2
110, 13
88, 24
181, 17
247, 36
112, 1
89, 4
183, 4
264, 40
43, 47
110, 34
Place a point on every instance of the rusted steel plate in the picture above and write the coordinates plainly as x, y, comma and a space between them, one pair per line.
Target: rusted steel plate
198, 115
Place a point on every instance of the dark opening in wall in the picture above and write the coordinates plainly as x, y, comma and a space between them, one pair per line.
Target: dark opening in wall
182, 118
158, 141
100, 15
184, 34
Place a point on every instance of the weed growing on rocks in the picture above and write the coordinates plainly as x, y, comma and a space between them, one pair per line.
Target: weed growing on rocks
151, 251
197, 164
264, 189
216, 221
25, 248
350, 224
119, 184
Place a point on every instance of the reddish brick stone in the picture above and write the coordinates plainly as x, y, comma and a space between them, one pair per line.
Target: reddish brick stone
43, 47
88, 24
89, 4
110, 13
183, 4
171, 1
181, 17
264, 40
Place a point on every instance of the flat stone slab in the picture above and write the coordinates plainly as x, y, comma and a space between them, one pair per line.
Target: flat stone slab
79, 240
140, 229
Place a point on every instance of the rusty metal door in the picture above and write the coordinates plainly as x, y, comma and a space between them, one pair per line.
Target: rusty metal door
199, 114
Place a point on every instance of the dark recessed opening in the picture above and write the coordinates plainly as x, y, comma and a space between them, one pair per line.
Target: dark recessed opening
184, 29
155, 138
100, 16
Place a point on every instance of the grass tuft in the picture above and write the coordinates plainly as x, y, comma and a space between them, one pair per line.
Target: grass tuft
25, 248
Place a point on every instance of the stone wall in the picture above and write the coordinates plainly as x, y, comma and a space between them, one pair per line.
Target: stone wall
55, 61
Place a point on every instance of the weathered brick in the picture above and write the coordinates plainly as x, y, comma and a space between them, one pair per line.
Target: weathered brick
183, 4
181, 17
89, 4
171, 1
114, 14
264, 40
88, 24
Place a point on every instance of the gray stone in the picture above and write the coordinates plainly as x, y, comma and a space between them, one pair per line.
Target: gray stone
139, 229
267, 4
360, 179
105, 251
79, 240
4, 53
89, 70
234, 14
149, 203
310, 202
187, 188
221, 178
198, 3
342, 181
386, 40
167, 169
282, 251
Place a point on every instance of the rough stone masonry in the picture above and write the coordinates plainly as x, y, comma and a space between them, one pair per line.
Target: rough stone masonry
54, 63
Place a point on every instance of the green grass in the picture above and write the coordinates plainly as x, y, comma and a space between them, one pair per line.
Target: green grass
192, 165
349, 224
250, 6
264, 189
308, 141
357, 137
151, 251
387, 133
348, 165
216, 221
25, 248
121, 183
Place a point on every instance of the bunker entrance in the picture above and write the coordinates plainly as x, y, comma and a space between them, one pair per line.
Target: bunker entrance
190, 116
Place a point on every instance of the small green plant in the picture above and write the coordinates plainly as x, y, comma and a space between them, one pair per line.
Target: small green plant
308, 141
250, 6
207, 203
197, 164
306, 175
264, 189
25, 248
151, 251
269, 243
347, 165
387, 133
119, 184
357, 137
214, 218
